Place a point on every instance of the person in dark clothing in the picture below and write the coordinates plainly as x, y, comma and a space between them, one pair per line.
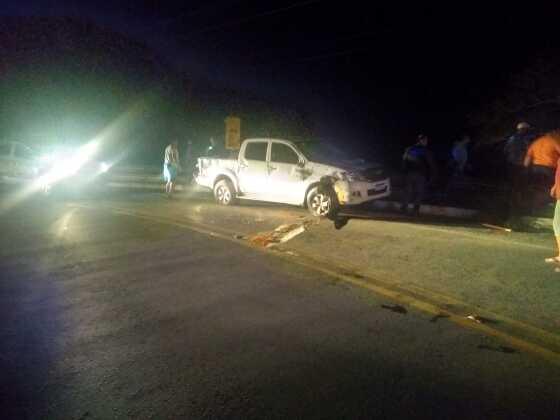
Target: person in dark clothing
518, 143
189, 162
419, 168
515, 151
216, 149
212, 149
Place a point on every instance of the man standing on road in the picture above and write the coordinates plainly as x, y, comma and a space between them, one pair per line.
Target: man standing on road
188, 162
419, 168
517, 144
460, 155
171, 166
212, 149
541, 160
515, 150
458, 164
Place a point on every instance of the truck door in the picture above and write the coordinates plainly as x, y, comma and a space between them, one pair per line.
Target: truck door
285, 181
253, 170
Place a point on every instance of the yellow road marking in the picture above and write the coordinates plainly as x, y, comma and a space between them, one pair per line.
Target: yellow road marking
432, 309
544, 335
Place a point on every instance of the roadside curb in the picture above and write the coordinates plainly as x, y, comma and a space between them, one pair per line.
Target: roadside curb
429, 209
540, 223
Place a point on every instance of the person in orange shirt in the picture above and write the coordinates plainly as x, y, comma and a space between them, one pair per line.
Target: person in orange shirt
541, 160
543, 154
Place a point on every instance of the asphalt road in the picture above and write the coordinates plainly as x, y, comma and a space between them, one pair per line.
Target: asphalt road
132, 307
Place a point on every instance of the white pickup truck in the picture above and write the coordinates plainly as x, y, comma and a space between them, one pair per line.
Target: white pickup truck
278, 171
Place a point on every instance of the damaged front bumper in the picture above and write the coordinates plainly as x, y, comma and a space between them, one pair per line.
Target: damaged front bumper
358, 192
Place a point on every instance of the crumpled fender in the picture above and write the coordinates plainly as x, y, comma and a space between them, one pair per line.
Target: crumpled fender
338, 188
330, 185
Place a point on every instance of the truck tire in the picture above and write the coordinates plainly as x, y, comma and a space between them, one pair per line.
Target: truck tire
322, 202
224, 192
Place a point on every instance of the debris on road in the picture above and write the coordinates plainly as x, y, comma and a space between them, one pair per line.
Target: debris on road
238, 237
290, 233
340, 222
501, 349
281, 234
501, 228
353, 274
395, 308
280, 250
481, 320
261, 240
475, 318
436, 317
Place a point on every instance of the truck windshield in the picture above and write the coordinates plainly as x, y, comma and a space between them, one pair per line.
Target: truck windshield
323, 152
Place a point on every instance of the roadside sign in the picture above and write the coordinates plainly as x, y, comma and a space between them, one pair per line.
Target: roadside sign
233, 133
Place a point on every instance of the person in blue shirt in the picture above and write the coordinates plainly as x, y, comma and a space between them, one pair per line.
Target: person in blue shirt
460, 155
419, 168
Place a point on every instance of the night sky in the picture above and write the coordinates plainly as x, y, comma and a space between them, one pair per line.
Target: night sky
376, 74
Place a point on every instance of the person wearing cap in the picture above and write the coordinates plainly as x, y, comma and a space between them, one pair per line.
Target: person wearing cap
419, 168
541, 161
517, 144
515, 151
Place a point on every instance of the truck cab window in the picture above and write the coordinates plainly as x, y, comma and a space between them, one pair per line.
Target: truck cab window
283, 154
256, 151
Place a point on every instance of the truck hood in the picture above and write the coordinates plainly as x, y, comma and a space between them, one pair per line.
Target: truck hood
348, 165
321, 169
359, 169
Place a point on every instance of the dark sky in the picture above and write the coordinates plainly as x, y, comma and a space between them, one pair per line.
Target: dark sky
363, 71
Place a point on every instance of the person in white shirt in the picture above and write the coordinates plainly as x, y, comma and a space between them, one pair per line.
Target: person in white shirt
171, 166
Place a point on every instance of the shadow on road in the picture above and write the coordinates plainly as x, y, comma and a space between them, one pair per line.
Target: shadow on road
344, 217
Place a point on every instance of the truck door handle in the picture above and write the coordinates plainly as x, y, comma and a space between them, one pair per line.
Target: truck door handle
272, 168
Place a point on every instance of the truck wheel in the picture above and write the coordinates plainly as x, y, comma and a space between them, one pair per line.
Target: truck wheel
321, 203
224, 193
